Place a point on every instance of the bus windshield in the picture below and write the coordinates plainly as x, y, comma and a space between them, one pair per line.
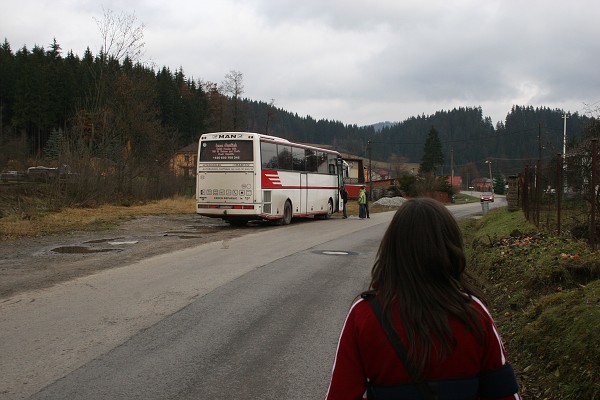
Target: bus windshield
226, 150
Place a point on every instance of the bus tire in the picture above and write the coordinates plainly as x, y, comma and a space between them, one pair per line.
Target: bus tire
329, 212
329, 209
287, 213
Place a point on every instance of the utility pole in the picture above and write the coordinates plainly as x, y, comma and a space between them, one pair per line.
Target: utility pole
559, 192
452, 167
540, 140
565, 116
370, 172
538, 178
593, 194
451, 160
468, 182
489, 163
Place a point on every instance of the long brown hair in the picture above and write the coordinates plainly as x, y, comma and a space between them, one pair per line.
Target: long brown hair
420, 267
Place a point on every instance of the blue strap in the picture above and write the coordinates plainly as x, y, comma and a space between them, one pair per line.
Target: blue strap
498, 382
451, 389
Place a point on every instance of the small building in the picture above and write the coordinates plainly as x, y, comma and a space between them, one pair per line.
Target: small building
483, 184
355, 165
455, 181
184, 162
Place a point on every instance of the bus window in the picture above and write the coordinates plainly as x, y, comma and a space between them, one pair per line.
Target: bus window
226, 150
311, 160
332, 162
284, 156
268, 155
298, 159
322, 162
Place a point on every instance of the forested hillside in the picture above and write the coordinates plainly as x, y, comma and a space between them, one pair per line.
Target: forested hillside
469, 138
108, 108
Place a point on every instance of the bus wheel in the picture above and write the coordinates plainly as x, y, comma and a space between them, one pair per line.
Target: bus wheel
329, 209
287, 214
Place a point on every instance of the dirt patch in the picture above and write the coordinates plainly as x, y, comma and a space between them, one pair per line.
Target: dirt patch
35, 263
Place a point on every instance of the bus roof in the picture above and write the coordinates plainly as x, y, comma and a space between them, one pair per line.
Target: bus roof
261, 136
232, 135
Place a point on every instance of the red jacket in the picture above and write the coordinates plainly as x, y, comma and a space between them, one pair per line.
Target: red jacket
364, 352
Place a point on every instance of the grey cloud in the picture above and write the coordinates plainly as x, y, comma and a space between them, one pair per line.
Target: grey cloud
356, 61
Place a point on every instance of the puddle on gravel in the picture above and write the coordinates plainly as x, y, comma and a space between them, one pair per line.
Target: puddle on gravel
79, 250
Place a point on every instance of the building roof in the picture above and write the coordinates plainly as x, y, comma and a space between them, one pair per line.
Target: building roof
190, 148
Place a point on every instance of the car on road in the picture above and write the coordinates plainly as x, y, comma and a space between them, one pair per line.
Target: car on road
486, 196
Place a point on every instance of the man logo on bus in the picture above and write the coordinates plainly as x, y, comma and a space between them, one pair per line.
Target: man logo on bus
235, 136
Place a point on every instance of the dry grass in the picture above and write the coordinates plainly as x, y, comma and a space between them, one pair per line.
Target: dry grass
17, 226
103, 217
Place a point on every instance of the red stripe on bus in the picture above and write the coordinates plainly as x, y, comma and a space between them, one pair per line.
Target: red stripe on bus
270, 179
301, 187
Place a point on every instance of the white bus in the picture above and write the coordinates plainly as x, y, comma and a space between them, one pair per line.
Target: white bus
246, 176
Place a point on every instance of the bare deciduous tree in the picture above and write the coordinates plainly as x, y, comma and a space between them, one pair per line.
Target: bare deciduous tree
233, 85
121, 37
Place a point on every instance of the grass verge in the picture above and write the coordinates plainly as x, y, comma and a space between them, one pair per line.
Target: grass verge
545, 295
16, 226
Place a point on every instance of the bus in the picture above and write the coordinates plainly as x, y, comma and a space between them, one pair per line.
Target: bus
244, 176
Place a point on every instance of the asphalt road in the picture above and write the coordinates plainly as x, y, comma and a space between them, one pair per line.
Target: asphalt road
252, 317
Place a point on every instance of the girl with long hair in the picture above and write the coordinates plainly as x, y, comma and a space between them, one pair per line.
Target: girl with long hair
419, 284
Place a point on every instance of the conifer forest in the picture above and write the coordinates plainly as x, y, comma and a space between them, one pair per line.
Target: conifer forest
104, 112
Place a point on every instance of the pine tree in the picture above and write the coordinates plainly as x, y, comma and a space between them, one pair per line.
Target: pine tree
54, 144
433, 156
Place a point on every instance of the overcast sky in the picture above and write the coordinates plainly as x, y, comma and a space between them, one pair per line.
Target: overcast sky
358, 62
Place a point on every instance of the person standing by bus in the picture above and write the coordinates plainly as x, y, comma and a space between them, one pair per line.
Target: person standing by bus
367, 204
422, 300
362, 202
344, 196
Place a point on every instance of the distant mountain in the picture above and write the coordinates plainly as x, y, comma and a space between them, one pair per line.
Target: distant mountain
380, 125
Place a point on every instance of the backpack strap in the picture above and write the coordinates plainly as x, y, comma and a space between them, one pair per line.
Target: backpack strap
498, 382
426, 391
